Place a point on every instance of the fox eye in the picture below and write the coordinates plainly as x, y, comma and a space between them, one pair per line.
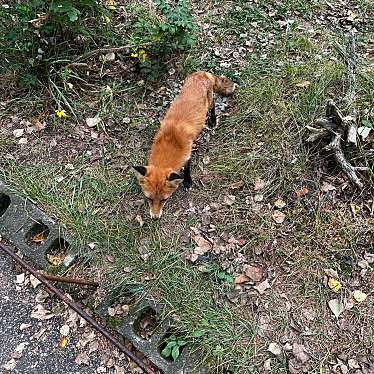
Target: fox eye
149, 199
162, 200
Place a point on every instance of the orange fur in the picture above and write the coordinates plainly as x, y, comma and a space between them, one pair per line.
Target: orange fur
172, 145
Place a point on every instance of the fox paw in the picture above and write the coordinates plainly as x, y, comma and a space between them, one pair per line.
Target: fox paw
187, 185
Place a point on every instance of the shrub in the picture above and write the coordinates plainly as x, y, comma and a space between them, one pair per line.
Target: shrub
36, 32
157, 37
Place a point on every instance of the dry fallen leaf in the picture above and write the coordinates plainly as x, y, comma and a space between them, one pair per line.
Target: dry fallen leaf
278, 216
262, 287
236, 185
331, 273
34, 281
326, 187
40, 313
65, 330
359, 296
337, 307
92, 121
203, 245
303, 84
258, 197
20, 278
63, 342
54, 260
275, 349
111, 312
334, 284
299, 352
253, 272
259, 185
301, 192
242, 279
229, 200
18, 133
40, 237
10, 365
279, 203
82, 359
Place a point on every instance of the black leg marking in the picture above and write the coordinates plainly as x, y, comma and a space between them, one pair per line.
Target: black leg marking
187, 181
212, 120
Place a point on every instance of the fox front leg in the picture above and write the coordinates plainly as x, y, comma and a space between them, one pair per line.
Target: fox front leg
187, 180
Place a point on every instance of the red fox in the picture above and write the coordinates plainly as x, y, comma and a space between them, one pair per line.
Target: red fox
172, 146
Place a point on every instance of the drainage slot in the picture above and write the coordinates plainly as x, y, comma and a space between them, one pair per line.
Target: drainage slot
4, 203
146, 324
57, 251
37, 235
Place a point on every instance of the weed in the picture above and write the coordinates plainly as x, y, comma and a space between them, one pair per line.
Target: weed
158, 37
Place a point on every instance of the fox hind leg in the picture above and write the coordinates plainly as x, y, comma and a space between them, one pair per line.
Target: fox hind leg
212, 119
187, 180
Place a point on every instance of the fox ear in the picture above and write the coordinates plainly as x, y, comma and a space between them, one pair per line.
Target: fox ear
175, 179
140, 171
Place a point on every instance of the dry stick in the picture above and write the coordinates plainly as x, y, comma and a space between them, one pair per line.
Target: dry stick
58, 278
335, 144
80, 311
101, 51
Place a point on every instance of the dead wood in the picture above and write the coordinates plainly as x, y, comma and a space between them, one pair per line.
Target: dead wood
336, 125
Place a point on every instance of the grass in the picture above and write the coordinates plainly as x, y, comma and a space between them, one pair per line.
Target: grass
263, 137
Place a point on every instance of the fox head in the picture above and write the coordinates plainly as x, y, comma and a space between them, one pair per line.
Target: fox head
157, 185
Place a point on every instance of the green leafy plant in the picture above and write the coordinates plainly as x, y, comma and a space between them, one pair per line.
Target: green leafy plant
36, 33
157, 37
173, 347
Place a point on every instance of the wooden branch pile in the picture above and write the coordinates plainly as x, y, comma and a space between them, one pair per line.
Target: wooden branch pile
341, 128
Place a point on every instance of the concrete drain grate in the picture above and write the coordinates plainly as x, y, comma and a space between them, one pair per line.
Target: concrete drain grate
20, 220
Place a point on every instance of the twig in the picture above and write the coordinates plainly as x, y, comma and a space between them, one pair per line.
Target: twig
101, 51
73, 305
58, 278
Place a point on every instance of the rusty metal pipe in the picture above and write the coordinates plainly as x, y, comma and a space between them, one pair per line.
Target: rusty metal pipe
77, 309
57, 278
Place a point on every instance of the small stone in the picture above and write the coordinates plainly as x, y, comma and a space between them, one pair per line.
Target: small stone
23, 141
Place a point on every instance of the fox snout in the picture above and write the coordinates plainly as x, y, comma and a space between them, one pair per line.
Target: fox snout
155, 216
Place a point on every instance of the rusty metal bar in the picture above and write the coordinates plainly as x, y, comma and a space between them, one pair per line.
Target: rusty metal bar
57, 278
76, 308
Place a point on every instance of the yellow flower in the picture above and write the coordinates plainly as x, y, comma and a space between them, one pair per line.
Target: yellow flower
61, 113
106, 20
143, 57
134, 55
334, 284
112, 4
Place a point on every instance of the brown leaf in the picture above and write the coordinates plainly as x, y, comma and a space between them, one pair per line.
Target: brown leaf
303, 84
242, 279
259, 184
275, 349
253, 272
262, 287
301, 192
278, 216
203, 245
236, 185
82, 359
39, 126
279, 203
299, 352
110, 258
